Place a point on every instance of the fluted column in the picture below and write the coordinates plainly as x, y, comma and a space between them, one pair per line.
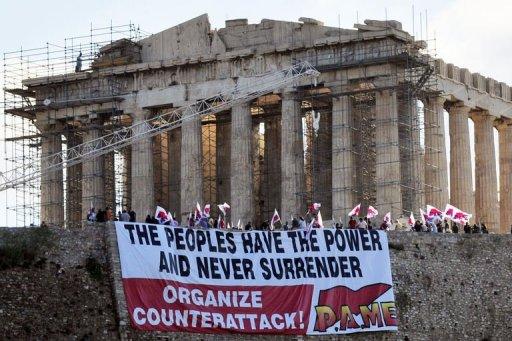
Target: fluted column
223, 157
270, 198
143, 194
73, 186
52, 189
126, 201
292, 157
486, 189
175, 171
436, 172
343, 166
389, 194
241, 164
93, 186
505, 145
461, 189
110, 180
191, 165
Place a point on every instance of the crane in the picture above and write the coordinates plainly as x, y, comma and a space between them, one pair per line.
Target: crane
244, 90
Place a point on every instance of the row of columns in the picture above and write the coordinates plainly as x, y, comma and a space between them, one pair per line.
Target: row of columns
186, 148
483, 203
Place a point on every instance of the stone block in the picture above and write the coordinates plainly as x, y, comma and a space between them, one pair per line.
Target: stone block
479, 82
441, 68
490, 86
236, 22
505, 91
465, 77
453, 72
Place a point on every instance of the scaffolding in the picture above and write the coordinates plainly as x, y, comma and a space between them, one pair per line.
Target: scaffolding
21, 142
408, 67
408, 72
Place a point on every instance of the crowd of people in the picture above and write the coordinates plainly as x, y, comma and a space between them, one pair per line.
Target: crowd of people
446, 226
107, 214
437, 225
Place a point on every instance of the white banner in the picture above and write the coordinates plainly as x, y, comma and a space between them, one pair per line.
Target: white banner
327, 281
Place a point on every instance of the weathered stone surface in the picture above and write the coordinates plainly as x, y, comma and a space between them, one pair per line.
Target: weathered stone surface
389, 192
436, 173
57, 297
93, 182
242, 208
292, 157
486, 189
52, 189
143, 195
505, 145
343, 166
461, 183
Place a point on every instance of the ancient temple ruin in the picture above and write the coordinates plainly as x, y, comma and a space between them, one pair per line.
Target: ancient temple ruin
370, 129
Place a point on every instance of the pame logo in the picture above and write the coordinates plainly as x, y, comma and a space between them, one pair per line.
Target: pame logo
354, 309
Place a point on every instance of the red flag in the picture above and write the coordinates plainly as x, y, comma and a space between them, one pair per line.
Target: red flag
224, 207
319, 220
161, 215
197, 212
432, 211
457, 215
275, 219
411, 220
206, 210
314, 207
355, 211
387, 217
372, 212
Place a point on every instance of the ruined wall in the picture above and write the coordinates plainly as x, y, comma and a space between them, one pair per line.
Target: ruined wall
447, 287
61, 291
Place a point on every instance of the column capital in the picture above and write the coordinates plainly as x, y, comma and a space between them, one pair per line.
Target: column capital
458, 108
289, 94
435, 100
139, 113
46, 127
502, 123
479, 116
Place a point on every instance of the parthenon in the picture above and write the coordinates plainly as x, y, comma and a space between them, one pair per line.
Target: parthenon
370, 129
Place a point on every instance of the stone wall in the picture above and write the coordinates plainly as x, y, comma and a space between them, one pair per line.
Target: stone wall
62, 293
447, 287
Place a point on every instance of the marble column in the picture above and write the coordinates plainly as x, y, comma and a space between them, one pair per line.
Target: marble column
93, 185
52, 188
343, 166
321, 167
161, 169
223, 157
505, 145
292, 157
486, 189
271, 175
389, 194
461, 183
191, 164
242, 207
126, 176
436, 172
175, 171
418, 159
73, 186
110, 181
143, 194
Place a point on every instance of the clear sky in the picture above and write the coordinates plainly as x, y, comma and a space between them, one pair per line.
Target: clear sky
473, 34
